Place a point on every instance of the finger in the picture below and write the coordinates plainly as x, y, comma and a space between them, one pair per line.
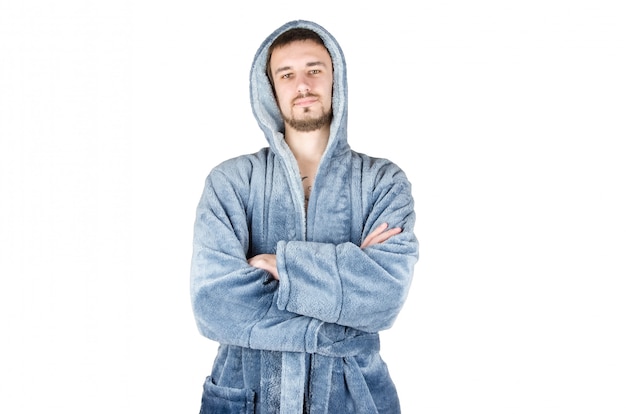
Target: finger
381, 238
378, 230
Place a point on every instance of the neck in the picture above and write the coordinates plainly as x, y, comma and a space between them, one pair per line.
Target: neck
307, 146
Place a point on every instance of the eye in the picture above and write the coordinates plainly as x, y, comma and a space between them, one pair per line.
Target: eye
286, 76
315, 71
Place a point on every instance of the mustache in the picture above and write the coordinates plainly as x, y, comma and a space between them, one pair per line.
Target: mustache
305, 95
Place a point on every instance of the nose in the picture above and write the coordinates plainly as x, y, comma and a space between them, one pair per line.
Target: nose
303, 85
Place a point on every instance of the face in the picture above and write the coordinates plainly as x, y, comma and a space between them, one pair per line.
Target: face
303, 81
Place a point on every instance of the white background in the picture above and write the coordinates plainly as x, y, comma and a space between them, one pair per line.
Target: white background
508, 117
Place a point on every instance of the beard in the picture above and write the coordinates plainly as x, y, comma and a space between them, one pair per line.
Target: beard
308, 123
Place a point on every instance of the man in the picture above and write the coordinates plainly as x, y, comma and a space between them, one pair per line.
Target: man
303, 251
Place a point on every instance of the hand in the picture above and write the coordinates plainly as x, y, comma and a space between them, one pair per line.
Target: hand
380, 235
266, 262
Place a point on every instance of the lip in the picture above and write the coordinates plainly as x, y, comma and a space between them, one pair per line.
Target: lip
305, 101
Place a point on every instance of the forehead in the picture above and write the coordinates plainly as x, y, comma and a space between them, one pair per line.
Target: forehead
299, 52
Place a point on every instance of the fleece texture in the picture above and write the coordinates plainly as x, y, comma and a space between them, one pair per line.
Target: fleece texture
309, 342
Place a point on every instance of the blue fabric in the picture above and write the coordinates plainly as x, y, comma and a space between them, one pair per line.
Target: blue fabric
309, 342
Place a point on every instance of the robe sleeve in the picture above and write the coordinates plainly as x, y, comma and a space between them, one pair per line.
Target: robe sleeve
230, 301
363, 289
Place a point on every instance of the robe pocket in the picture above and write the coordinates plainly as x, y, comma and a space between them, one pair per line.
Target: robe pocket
224, 400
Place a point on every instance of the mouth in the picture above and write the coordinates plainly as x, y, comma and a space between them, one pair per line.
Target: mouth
306, 100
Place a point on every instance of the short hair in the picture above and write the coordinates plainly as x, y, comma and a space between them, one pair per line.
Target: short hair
290, 36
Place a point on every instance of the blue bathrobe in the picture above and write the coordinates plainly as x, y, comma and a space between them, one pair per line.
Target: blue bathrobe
309, 342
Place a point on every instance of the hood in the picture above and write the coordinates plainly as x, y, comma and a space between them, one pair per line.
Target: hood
266, 109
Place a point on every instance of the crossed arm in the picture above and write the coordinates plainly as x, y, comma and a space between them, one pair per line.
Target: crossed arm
380, 234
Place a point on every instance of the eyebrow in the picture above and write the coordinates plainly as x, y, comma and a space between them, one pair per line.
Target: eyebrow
308, 65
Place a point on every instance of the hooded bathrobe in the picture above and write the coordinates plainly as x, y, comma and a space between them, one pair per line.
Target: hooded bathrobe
309, 342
